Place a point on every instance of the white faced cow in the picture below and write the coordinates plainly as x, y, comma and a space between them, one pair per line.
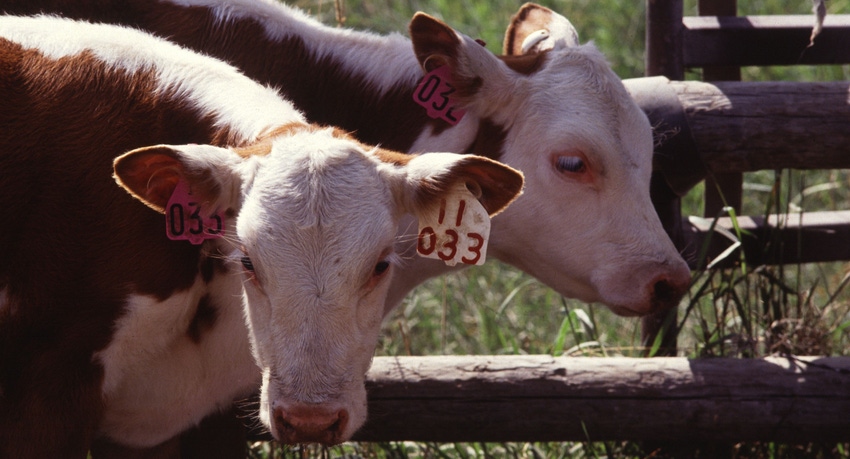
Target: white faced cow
112, 331
550, 107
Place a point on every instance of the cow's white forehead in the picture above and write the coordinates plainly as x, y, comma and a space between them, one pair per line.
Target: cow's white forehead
317, 198
575, 101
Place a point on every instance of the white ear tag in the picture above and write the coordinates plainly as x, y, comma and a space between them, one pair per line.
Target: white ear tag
533, 39
456, 229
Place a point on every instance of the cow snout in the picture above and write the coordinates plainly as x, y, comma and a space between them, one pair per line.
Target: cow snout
309, 424
668, 289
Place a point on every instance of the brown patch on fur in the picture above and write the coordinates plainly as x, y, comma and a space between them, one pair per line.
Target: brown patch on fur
209, 266
393, 157
263, 145
204, 319
499, 184
526, 64
79, 244
489, 141
433, 40
322, 89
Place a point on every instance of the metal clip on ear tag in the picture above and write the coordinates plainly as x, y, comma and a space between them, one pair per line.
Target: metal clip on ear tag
457, 229
434, 93
184, 220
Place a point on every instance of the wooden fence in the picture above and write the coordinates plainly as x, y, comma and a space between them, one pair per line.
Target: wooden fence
732, 127
543, 398
719, 43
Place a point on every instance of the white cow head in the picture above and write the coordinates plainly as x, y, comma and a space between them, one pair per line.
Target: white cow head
585, 224
313, 216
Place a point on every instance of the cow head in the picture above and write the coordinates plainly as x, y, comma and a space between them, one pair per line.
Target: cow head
311, 220
558, 112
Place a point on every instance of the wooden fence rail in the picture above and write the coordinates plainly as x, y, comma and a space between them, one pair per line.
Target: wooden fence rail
763, 40
543, 398
739, 127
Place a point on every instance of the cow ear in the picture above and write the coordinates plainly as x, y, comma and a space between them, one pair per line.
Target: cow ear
535, 28
435, 43
472, 65
151, 174
431, 175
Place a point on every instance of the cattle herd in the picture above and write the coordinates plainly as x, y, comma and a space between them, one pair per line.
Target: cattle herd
208, 199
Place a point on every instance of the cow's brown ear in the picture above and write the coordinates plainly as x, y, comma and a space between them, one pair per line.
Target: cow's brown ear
151, 174
472, 69
432, 175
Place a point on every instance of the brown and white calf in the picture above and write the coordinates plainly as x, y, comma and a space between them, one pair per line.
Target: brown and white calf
550, 107
110, 330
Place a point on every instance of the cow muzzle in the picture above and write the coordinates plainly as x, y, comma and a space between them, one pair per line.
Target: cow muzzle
306, 423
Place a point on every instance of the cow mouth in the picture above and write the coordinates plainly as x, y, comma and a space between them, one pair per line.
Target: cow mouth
323, 428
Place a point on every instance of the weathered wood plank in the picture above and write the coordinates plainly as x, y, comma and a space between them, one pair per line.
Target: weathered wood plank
542, 398
749, 126
777, 239
764, 40
731, 127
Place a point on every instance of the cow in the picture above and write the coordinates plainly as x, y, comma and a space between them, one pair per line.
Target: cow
549, 106
177, 235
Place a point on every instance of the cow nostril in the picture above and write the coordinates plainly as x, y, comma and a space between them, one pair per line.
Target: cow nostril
283, 427
666, 292
309, 425
341, 422
663, 291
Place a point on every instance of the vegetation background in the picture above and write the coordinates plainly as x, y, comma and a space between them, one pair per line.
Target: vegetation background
496, 309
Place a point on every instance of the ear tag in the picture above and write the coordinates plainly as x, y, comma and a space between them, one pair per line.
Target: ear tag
433, 93
455, 230
184, 220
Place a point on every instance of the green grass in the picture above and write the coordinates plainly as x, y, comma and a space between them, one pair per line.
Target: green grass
743, 312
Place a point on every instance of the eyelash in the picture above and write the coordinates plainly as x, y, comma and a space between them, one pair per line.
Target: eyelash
572, 164
247, 264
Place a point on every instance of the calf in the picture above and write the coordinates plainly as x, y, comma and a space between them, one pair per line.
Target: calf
127, 317
550, 107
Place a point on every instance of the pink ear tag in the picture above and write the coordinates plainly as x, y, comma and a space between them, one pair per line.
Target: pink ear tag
433, 93
184, 220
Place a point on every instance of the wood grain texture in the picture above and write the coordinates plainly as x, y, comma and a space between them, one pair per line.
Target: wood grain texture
543, 398
749, 126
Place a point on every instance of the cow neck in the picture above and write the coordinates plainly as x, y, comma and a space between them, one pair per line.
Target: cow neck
330, 86
333, 88
489, 140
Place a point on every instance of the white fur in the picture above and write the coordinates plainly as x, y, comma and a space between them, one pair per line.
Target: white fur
157, 381
213, 86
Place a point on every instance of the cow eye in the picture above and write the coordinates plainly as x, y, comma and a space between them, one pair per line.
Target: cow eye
382, 267
572, 164
246, 263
